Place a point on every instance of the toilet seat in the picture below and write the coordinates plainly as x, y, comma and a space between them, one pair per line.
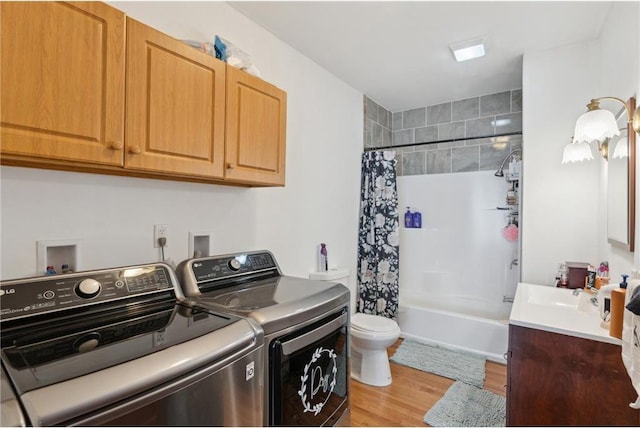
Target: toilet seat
367, 323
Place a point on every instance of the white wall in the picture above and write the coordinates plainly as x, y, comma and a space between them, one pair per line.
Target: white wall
460, 251
619, 70
114, 216
560, 202
564, 206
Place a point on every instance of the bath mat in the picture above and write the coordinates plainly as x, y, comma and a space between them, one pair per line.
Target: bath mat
467, 406
453, 364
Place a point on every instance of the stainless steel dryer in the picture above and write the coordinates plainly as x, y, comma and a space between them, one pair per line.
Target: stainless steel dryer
305, 323
115, 347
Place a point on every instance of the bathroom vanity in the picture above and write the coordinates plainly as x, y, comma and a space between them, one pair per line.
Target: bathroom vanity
563, 368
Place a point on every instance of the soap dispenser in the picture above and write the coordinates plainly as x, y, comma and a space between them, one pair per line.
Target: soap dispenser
408, 218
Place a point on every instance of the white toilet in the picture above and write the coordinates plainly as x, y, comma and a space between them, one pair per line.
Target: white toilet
371, 335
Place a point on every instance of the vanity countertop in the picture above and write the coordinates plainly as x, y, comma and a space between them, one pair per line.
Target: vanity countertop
558, 310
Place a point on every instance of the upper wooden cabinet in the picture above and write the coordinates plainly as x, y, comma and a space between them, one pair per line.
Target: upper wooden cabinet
256, 130
188, 116
175, 106
62, 81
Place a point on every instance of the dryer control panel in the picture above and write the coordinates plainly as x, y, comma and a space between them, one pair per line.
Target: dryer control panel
207, 273
31, 296
219, 267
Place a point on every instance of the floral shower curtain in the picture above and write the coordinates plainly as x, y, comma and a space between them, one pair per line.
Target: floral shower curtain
378, 238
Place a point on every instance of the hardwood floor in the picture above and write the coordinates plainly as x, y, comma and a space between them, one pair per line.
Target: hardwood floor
411, 394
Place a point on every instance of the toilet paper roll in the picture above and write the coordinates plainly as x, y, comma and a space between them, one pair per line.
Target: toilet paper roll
617, 312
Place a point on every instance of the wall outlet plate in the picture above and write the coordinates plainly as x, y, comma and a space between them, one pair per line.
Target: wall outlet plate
160, 231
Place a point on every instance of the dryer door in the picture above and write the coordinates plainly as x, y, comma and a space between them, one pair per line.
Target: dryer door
309, 374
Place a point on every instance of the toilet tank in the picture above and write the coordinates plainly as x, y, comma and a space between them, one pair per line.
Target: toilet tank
340, 275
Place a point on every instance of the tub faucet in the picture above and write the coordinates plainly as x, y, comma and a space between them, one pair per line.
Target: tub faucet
514, 262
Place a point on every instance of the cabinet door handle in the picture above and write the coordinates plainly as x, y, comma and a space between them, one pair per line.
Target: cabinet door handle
116, 145
135, 149
230, 165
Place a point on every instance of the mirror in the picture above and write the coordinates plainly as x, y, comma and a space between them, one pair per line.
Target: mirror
621, 179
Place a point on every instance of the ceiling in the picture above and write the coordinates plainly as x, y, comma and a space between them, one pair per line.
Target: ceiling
397, 53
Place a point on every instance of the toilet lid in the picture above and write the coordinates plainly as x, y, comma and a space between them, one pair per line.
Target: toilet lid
367, 322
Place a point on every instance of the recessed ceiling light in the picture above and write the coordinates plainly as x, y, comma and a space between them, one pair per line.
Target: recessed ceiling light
469, 49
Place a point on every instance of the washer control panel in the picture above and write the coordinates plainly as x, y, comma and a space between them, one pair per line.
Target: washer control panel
32, 296
219, 267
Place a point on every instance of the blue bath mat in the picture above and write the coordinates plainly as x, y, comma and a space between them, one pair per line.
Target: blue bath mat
453, 364
467, 406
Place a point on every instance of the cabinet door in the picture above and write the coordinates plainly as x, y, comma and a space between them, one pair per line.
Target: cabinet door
256, 130
175, 106
559, 380
62, 81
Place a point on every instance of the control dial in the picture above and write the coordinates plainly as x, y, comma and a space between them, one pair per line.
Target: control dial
234, 265
87, 342
88, 288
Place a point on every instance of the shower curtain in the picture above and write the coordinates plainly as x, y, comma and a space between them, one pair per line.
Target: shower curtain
378, 237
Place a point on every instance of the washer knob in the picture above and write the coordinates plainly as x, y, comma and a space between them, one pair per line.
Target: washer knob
234, 265
88, 288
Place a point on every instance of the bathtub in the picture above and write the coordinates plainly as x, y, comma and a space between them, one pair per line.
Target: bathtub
457, 322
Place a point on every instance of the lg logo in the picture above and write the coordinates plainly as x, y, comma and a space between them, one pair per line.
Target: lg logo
7, 291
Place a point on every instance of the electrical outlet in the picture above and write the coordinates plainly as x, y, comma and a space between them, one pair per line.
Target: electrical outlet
160, 231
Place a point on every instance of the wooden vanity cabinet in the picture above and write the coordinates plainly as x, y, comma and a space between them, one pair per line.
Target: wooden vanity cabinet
175, 101
559, 380
255, 130
62, 81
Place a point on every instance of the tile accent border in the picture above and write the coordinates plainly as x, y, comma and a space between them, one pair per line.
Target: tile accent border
487, 115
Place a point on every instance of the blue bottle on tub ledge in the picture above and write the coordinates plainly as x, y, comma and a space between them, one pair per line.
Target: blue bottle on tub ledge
408, 218
417, 220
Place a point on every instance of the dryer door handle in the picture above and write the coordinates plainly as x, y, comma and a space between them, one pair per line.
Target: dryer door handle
308, 338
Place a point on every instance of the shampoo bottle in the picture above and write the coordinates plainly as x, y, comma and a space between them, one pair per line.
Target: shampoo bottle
408, 218
417, 219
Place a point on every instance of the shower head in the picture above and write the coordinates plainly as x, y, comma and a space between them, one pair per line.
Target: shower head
500, 171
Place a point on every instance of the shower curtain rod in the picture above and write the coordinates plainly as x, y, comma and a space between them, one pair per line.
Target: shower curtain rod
507, 134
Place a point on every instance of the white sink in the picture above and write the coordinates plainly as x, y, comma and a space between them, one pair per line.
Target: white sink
558, 310
561, 298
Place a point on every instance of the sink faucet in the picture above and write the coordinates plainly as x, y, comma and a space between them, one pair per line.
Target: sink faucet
593, 299
514, 262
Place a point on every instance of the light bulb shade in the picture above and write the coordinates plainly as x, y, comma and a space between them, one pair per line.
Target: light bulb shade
576, 152
595, 125
622, 149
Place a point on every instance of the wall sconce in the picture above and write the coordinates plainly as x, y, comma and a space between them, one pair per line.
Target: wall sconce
600, 126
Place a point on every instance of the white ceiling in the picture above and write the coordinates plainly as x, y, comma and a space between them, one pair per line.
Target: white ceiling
397, 53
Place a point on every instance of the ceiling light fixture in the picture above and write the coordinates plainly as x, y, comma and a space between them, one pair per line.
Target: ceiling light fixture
469, 49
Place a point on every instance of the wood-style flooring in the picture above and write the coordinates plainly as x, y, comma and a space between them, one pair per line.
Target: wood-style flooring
411, 394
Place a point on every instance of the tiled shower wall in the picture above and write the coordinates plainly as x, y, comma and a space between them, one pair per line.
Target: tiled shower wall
487, 115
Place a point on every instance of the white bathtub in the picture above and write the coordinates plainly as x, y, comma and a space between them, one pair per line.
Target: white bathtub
465, 324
